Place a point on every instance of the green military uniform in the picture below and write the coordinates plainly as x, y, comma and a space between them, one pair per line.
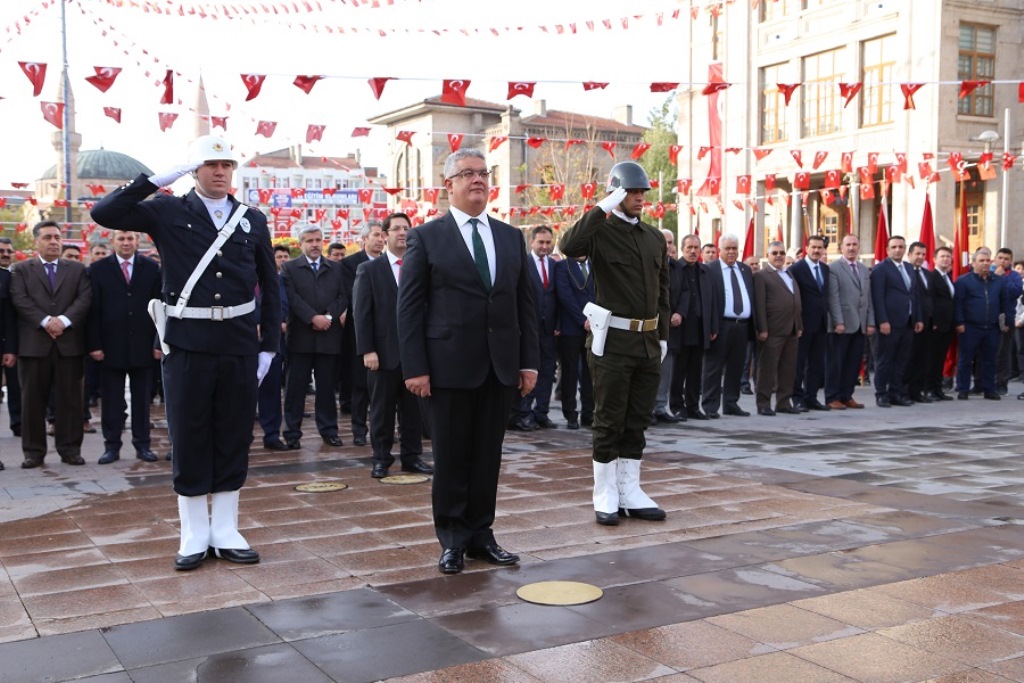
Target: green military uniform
630, 266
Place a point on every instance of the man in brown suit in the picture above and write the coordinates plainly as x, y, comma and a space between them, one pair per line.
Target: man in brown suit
52, 297
777, 315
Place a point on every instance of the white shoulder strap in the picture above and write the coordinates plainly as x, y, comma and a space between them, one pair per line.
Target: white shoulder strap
222, 237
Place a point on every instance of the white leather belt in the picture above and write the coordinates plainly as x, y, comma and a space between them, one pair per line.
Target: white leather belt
633, 324
217, 313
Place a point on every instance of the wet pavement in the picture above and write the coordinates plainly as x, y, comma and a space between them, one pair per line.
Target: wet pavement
867, 545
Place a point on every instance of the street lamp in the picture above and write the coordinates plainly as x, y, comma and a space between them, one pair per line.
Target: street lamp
988, 137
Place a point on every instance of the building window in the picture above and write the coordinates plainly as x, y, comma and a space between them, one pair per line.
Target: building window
876, 98
822, 104
773, 106
829, 226
777, 9
977, 62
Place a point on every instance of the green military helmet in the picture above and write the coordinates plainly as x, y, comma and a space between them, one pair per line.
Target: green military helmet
628, 175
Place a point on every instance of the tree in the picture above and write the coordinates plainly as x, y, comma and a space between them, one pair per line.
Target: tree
660, 134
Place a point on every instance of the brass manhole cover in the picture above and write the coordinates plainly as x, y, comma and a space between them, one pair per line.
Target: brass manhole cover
405, 479
559, 593
320, 487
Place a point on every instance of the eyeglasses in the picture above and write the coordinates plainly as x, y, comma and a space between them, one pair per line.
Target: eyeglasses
469, 173
6, 251
776, 253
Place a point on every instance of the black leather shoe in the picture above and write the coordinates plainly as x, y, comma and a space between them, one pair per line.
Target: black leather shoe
544, 422
572, 424
379, 472
798, 406
452, 561
587, 422
2, 467
169, 454
713, 416
493, 554
293, 444
962, 396
738, 412
747, 391
333, 441
790, 410
238, 556
695, 414
902, 402
815, 405
653, 422
993, 396
73, 460
417, 466
607, 518
275, 445
184, 563
666, 417
942, 396
359, 441
108, 457
146, 455
31, 464
648, 514
766, 412
922, 398
883, 402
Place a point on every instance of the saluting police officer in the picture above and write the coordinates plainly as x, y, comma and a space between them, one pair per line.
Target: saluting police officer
217, 357
630, 268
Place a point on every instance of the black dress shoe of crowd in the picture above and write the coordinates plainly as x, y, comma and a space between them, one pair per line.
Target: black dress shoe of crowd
30, 464
922, 398
653, 422
790, 410
379, 472
293, 444
452, 561
767, 412
417, 466
493, 554
184, 563
713, 416
607, 518
992, 396
648, 514
108, 457
525, 425
237, 555
333, 441
277, 445
941, 396
883, 402
572, 424
146, 455
738, 412
815, 405
587, 421
544, 422
962, 396
359, 440
73, 460
2, 467
666, 417
799, 407
905, 403
695, 414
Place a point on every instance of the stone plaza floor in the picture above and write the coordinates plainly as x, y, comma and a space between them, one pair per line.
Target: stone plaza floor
864, 545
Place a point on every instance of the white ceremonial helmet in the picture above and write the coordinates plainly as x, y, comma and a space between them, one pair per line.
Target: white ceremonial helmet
210, 148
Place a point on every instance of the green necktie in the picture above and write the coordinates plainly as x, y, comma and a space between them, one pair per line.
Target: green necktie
480, 255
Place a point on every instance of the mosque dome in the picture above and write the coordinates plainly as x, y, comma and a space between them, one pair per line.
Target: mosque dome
103, 164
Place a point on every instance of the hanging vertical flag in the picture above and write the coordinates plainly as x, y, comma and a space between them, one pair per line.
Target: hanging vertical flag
748, 241
882, 233
36, 73
716, 84
928, 232
168, 95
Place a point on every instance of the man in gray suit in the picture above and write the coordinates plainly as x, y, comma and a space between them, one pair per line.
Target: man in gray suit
779, 322
851, 319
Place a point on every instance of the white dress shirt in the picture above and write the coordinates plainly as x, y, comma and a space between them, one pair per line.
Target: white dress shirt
744, 294
484, 228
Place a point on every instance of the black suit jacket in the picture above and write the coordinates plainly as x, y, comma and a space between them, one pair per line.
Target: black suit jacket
375, 311
710, 305
33, 300
573, 294
453, 329
942, 302
718, 287
119, 324
546, 299
924, 295
813, 299
8, 316
893, 302
675, 296
309, 295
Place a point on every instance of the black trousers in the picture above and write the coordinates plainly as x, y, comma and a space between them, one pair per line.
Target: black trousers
113, 405
389, 396
687, 378
268, 401
538, 402
575, 372
37, 375
891, 354
937, 359
467, 427
210, 400
723, 365
919, 363
13, 397
810, 366
325, 410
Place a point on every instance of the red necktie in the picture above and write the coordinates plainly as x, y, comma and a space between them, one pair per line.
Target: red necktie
124, 269
398, 262
543, 273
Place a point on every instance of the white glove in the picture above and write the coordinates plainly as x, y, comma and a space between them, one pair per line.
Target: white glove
263, 365
613, 200
168, 177
664, 350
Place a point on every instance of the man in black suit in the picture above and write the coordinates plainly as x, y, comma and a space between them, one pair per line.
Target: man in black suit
812, 277
898, 315
121, 338
533, 409
374, 304
467, 331
354, 391
943, 308
8, 330
316, 299
268, 401
662, 413
733, 285
10, 374
698, 329
915, 379
575, 289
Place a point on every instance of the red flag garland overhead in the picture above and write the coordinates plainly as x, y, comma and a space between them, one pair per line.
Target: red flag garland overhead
219, 121
36, 73
819, 159
798, 157
639, 150
454, 91
53, 112
454, 141
967, 87
663, 87
846, 166
761, 153
535, 142
306, 83
314, 132
673, 154
520, 88
574, 141
167, 120
168, 95
266, 128
609, 147
405, 136
908, 90
377, 85
496, 142
113, 112
104, 77
556, 190
848, 91
253, 84
787, 90
587, 190
360, 132
594, 85
712, 88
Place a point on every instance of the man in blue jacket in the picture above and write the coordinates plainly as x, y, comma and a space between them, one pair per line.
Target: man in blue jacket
980, 298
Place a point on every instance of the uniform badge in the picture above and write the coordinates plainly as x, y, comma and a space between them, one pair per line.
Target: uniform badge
245, 224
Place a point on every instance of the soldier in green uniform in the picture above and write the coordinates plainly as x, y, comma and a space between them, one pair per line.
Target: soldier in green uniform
630, 268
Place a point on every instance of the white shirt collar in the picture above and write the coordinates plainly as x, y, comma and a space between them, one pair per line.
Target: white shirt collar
628, 219
461, 217
392, 259
129, 261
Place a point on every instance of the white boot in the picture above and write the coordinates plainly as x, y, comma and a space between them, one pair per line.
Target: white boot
606, 495
195, 525
224, 522
633, 502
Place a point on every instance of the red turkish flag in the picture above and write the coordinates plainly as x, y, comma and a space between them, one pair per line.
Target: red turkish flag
798, 157
104, 77
655, 183
360, 132
536, 142
297, 192
556, 190
743, 184
492, 194
802, 180
714, 186
306, 83
848, 91
221, 121
265, 195
712, 88
955, 158
253, 83
639, 149
574, 141
833, 179
522, 188
266, 128
343, 214
320, 214
867, 191
865, 175
377, 85
702, 152
314, 131
365, 194
787, 90
167, 120
36, 73
892, 174
846, 166
908, 90
587, 190
986, 169
53, 112
113, 112
663, 87
924, 170
761, 153
901, 161
62, 203
168, 95
737, 203
872, 162
329, 191
683, 186
430, 194
593, 85
769, 182
967, 87
673, 154
609, 147
819, 159
406, 136
520, 88
827, 197
1008, 161
454, 91
496, 142
393, 190
454, 141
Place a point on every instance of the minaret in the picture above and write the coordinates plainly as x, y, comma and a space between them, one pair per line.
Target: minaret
74, 141
202, 111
